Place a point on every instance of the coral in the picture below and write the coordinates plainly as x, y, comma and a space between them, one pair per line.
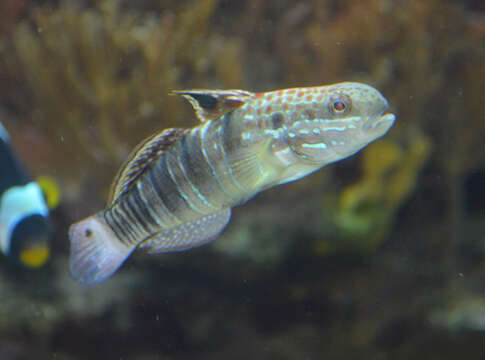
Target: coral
366, 210
99, 77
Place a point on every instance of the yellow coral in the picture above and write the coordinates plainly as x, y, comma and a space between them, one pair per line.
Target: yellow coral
389, 172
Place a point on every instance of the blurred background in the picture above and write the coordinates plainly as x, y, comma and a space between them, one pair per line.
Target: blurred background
379, 256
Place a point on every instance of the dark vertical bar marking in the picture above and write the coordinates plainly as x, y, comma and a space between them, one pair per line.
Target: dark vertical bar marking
136, 211
143, 209
227, 146
205, 154
156, 175
113, 220
193, 168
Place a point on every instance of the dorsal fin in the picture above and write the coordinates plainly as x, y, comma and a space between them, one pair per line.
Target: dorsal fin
212, 104
140, 160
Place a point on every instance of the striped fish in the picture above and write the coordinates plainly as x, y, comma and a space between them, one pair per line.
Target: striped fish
177, 188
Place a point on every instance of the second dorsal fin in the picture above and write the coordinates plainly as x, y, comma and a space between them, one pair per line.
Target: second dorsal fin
141, 158
212, 104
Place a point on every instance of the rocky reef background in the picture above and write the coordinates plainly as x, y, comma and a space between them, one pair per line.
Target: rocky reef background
380, 256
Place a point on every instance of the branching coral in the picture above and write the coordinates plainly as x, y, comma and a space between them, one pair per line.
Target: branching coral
99, 78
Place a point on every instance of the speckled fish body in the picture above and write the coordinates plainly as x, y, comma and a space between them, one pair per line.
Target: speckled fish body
177, 188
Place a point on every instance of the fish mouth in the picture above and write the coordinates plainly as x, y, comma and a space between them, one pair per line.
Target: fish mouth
383, 123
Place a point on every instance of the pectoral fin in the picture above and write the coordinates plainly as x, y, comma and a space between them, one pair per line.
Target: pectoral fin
189, 235
212, 104
248, 164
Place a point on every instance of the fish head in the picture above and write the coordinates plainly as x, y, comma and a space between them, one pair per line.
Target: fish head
339, 121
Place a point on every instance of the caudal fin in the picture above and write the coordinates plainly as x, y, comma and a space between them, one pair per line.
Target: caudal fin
96, 252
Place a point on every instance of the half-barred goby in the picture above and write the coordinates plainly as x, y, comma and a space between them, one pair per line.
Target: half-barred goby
177, 188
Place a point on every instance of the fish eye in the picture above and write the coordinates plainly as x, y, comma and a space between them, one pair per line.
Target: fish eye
339, 104
88, 233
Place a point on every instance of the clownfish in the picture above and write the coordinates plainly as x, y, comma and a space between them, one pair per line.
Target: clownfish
25, 229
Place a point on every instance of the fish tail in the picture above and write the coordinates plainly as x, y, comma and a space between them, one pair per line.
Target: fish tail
96, 251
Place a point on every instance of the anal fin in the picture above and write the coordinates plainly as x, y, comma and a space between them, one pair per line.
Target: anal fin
188, 235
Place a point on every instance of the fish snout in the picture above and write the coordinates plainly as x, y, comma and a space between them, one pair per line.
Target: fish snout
383, 123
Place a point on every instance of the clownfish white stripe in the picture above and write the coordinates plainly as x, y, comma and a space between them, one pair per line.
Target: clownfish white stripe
17, 203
